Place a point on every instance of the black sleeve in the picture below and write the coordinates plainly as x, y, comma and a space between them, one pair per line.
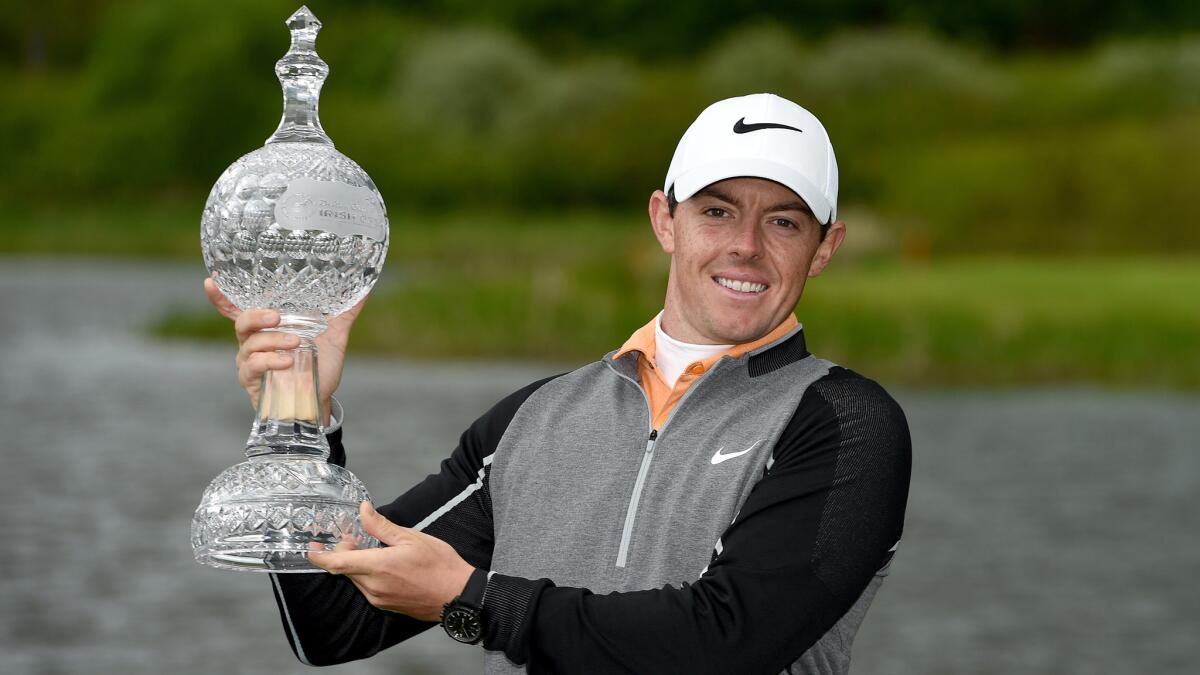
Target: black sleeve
824, 518
327, 620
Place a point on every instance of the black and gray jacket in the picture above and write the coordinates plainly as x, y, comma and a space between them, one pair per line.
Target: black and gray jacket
748, 534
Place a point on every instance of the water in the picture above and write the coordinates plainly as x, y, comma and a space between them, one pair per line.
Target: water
1048, 531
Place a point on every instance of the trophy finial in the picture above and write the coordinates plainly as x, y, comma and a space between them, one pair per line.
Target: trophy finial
301, 72
303, 19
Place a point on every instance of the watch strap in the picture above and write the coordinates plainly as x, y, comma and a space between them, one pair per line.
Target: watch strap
472, 594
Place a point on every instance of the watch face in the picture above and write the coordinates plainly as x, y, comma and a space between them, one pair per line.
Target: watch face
463, 624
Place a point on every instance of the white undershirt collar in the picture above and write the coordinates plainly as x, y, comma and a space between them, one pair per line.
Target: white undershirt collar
672, 357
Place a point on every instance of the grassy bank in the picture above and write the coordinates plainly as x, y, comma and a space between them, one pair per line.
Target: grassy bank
1123, 322
475, 288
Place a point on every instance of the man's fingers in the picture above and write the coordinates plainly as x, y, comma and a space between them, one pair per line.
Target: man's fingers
348, 563
218, 300
342, 323
251, 370
267, 341
380, 527
253, 320
347, 559
329, 561
336, 562
346, 544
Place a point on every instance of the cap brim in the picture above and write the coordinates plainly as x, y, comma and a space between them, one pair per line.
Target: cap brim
691, 182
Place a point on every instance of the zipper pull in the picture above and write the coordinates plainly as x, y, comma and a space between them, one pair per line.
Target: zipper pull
653, 434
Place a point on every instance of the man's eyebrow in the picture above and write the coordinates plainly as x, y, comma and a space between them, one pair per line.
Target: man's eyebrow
792, 206
710, 191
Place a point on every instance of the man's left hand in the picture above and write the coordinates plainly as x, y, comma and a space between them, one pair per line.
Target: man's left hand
415, 574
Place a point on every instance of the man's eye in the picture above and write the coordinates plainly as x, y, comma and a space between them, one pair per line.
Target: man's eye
715, 212
784, 222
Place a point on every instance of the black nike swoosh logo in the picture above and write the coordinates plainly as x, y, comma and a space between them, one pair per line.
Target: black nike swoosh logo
740, 127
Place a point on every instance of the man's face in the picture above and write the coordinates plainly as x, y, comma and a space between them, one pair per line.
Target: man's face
741, 250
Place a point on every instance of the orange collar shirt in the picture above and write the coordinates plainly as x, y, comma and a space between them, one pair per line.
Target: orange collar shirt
663, 396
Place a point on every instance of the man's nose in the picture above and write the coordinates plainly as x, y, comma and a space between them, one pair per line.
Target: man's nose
747, 241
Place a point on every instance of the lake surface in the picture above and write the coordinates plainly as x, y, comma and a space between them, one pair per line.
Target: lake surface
1047, 531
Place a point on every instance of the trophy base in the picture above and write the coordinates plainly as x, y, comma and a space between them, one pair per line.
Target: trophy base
281, 546
269, 513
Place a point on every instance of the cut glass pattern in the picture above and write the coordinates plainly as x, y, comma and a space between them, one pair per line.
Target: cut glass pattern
298, 227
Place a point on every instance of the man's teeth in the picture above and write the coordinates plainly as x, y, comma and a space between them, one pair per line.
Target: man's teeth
743, 286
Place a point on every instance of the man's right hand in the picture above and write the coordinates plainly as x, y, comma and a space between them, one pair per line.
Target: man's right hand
259, 349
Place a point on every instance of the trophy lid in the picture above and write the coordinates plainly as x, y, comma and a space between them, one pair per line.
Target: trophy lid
301, 73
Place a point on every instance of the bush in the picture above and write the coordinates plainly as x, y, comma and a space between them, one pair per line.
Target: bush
1109, 187
1132, 77
757, 58
955, 147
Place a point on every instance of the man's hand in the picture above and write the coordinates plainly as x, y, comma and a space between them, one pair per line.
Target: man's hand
415, 575
259, 350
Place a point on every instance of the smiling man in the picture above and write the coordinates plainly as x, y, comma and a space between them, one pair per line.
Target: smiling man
709, 498
741, 250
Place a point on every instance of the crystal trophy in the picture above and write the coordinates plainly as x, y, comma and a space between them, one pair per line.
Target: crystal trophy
298, 227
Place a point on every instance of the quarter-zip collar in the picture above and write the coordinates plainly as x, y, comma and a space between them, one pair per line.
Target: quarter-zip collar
642, 341
635, 360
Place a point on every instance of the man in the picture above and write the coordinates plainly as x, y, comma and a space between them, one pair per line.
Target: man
709, 498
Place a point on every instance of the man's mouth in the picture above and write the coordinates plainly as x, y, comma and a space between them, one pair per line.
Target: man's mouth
747, 287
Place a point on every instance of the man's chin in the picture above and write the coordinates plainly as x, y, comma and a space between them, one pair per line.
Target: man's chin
741, 333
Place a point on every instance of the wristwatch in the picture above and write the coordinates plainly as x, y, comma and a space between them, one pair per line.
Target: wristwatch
462, 617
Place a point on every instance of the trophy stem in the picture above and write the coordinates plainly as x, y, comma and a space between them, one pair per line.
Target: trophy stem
289, 419
268, 513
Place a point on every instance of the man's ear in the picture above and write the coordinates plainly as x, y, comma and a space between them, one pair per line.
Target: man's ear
829, 246
662, 222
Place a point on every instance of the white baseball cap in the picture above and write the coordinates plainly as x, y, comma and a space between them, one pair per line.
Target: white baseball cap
761, 136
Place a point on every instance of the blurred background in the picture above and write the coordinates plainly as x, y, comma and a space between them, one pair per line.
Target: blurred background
1019, 185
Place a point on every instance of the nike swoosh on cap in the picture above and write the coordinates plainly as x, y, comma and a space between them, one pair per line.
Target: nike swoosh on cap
717, 457
740, 126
